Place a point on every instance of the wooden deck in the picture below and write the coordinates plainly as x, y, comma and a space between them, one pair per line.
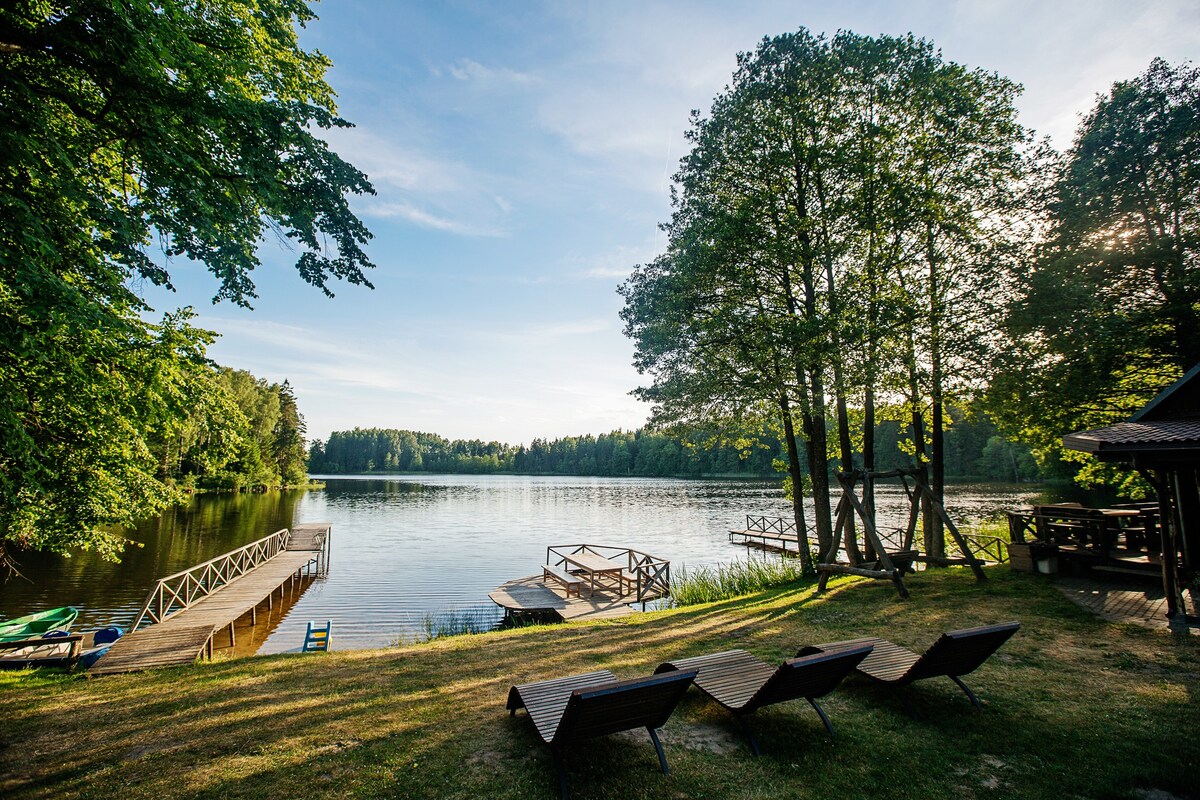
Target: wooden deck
533, 595
786, 543
1137, 602
187, 635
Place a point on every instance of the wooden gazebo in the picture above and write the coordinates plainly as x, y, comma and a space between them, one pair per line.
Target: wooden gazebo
1162, 442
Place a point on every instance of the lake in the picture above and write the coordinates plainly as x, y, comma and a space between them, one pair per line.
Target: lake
406, 549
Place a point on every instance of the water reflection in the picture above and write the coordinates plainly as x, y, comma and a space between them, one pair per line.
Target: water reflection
406, 550
113, 594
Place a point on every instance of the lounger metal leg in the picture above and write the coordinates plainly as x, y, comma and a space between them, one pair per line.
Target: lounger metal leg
970, 694
824, 718
662, 757
561, 771
749, 734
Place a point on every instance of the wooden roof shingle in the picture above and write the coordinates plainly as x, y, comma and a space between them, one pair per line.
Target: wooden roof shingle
1166, 427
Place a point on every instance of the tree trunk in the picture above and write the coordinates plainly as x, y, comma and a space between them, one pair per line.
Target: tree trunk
793, 452
816, 447
922, 458
936, 544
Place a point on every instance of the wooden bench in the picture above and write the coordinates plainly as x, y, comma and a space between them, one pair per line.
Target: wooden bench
572, 583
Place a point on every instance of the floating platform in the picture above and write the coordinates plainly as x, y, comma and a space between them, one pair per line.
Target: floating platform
615, 578
532, 596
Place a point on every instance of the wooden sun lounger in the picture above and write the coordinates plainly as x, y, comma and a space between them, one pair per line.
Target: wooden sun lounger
954, 654
743, 684
578, 707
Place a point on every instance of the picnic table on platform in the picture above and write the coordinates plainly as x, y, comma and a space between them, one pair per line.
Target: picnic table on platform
591, 565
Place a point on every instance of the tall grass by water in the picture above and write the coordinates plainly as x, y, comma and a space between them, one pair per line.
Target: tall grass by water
457, 622
690, 587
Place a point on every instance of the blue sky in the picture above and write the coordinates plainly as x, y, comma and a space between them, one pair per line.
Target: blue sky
522, 154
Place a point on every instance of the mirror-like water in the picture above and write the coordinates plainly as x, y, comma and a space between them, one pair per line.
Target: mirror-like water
405, 548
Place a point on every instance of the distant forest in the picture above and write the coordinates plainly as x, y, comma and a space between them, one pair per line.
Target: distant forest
974, 451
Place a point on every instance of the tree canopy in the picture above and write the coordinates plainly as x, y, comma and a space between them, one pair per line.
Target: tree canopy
131, 134
1109, 312
829, 247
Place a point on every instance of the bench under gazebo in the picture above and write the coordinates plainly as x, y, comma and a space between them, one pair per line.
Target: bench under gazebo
1162, 442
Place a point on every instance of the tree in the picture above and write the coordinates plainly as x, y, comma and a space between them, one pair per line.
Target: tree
837, 191
189, 126
1110, 312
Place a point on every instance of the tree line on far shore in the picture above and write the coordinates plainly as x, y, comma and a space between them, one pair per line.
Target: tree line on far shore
975, 451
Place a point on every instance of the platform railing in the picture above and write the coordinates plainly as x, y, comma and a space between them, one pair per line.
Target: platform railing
177, 593
649, 575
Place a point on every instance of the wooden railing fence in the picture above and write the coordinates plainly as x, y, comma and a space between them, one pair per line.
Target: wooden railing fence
650, 575
176, 593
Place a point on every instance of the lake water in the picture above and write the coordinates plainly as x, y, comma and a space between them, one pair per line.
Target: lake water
405, 549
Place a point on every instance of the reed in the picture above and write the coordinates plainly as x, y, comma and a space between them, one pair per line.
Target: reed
458, 622
690, 587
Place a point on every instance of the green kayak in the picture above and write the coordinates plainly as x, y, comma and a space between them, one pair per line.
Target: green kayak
14, 630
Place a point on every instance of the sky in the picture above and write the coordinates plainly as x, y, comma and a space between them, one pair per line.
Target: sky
521, 153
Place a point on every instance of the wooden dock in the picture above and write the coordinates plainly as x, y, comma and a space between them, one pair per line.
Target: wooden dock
770, 533
534, 596
615, 578
187, 610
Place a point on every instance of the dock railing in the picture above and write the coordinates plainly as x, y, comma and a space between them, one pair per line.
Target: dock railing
770, 524
648, 575
775, 529
178, 592
987, 547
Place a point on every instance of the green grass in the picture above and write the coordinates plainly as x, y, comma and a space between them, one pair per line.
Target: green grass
1076, 707
691, 587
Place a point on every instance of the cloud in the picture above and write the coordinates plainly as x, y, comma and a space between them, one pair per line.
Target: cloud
417, 187
469, 70
405, 210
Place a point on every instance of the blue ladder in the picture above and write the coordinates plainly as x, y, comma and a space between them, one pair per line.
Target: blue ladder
316, 638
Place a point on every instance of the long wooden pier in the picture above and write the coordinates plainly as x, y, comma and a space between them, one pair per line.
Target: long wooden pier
187, 610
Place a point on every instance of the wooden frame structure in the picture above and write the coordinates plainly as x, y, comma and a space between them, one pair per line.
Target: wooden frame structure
879, 563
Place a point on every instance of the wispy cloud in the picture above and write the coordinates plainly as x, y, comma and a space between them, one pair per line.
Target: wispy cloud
417, 187
402, 209
469, 70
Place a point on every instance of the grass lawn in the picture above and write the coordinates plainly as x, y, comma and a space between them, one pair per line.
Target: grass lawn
1075, 708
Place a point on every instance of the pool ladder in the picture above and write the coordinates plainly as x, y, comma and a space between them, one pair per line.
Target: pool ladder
316, 638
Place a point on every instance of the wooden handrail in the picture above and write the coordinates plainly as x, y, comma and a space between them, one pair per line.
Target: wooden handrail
652, 574
176, 593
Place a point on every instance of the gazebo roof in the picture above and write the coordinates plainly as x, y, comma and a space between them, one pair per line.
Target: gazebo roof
1166, 428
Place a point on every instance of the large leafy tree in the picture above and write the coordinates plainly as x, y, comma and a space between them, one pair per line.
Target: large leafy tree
826, 243
1110, 312
130, 128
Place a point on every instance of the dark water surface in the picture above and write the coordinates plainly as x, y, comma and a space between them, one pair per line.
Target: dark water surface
406, 549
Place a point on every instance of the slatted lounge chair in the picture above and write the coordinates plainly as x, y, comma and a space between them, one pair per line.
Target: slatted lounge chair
568, 710
954, 654
743, 684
